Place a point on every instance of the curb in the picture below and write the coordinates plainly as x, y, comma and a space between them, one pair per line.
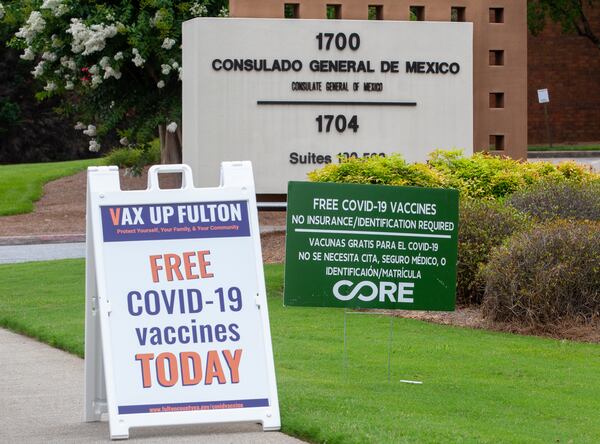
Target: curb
42, 239
80, 237
561, 154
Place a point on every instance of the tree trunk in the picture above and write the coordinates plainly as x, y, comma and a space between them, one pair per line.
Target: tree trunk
170, 145
170, 152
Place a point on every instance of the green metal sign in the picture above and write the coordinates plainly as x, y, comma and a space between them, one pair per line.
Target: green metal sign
371, 246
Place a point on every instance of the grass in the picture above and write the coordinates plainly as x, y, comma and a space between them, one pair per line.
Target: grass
564, 148
479, 386
21, 184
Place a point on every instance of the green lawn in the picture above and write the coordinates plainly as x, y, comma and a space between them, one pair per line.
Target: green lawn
478, 386
565, 148
21, 184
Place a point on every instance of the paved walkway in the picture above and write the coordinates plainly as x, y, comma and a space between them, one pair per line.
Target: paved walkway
40, 252
41, 401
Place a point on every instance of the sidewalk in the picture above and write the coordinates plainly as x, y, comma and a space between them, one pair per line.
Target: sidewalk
41, 398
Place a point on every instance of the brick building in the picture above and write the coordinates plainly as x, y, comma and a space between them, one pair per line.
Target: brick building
569, 66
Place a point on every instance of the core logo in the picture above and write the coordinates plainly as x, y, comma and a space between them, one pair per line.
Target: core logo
369, 291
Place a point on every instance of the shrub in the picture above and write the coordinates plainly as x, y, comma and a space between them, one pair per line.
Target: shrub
392, 170
483, 226
483, 176
135, 158
480, 176
567, 200
545, 275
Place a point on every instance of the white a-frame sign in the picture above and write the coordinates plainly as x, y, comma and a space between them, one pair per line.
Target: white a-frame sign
177, 327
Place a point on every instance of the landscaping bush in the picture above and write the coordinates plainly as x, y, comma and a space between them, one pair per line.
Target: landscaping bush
391, 170
567, 200
483, 226
546, 275
135, 158
480, 176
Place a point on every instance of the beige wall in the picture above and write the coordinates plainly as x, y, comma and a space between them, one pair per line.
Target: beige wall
509, 36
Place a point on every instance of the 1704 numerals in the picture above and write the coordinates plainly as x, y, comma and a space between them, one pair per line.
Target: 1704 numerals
326, 122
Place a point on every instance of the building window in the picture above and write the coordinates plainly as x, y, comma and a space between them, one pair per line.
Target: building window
496, 57
458, 14
291, 10
417, 13
496, 142
375, 12
497, 100
334, 11
496, 15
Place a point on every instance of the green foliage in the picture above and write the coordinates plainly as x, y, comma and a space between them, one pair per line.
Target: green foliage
114, 65
471, 377
30, 131
392, 170
483, 225
546, 275
135, 158
480, 176
572, 15
566, 200
21, 185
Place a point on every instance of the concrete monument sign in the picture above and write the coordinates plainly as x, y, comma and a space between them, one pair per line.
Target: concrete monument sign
292, 96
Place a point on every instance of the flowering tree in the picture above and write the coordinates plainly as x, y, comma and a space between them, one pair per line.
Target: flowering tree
116, 64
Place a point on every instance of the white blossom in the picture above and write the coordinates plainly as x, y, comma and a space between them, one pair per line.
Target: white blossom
172, 127
39, 69
60, 10
96, 80
50, 4
198, 10
165, 69
80, 126
224, 12
90, 131
137, 59
94, 70
118, 56
109, 72
160, 84
94, 146
180, 73
35, 24
57, 7
28, 54
1, 11
50, 86
123, 141
157, 18
68, 63
175, 65
69, 85
87, 40
167, 43
50, 56
104, 62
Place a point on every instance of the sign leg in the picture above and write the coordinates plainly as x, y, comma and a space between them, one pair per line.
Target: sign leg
390, 348
345, 345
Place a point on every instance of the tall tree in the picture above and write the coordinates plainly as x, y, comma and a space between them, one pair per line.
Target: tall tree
572, 15
115, 65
